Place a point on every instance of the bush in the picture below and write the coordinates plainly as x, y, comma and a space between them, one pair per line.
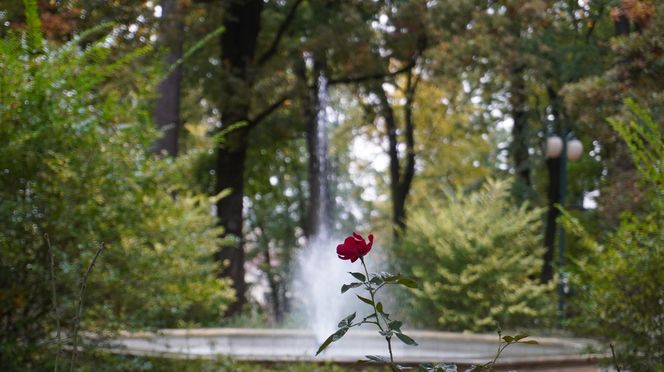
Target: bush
620, 293
76, 166
622, 297
478, 257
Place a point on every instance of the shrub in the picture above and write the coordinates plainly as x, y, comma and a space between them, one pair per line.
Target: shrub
620, 293
477, 257
76, 166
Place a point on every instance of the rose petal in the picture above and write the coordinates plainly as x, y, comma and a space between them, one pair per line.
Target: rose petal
358, 237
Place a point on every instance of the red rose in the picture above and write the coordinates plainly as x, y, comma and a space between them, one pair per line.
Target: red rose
354, 247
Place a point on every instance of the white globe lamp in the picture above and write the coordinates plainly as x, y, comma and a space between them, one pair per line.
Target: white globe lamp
554, 147
574, 149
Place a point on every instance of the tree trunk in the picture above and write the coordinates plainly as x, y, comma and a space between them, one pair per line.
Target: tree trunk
621, 24
230, 168
238, 46
553, 193
519, 146
274, 287
409, 168
519, 105
392, 151
167, 106
400, 179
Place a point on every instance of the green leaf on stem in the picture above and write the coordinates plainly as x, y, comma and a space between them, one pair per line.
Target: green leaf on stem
508, 339
519, 337
395, 325
387, 333
346, 287
405, 339
398, 279
377, 280
379, 308
408, 282
359, 276
336, 336
365, 300
347, 321
377, 358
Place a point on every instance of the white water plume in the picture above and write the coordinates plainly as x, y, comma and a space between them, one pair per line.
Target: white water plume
320, 276
320, 273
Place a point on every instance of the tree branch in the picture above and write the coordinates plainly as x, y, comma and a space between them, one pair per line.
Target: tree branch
593, 24
409, 167
79, 305
267, 111
280, 33
380, 75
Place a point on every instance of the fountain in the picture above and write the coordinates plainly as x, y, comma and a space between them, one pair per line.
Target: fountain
319, 273
318, 278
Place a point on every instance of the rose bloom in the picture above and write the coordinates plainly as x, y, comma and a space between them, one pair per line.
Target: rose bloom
354, 247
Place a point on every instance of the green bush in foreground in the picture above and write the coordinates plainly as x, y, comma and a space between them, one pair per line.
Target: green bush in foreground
477, 258
621, 291
76, 166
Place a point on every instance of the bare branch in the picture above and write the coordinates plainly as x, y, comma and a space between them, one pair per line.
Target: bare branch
615, 360
79, 306
409, 167
593, 24
268, 110
280, 33
56, 313
375, 76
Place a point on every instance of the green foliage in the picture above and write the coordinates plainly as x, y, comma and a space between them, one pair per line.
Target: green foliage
477, 257
632, 69
34, 24
621, 295
644, 139
621, 292
76, 166
503, 343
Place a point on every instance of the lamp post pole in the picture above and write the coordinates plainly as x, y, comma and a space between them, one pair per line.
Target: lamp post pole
566, 148
561, 239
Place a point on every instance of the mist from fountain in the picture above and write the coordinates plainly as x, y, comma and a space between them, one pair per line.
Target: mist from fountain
320, 272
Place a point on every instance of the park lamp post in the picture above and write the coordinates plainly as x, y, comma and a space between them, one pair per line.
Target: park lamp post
566, 148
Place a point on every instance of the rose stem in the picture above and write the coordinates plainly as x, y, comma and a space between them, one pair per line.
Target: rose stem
373, 301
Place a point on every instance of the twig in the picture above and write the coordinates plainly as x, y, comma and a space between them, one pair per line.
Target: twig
268, 110
79, 307
374, 76
615, 360
492, 363
56, 313
280, 33
189, 52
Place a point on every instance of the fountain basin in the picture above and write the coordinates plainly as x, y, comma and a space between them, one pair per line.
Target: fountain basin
292, 345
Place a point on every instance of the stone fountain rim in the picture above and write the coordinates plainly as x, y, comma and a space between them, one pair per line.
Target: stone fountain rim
280, 332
